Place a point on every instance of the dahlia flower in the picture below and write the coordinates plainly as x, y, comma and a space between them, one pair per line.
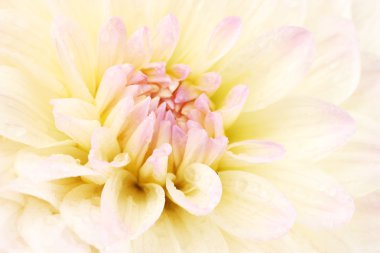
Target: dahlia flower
189, 126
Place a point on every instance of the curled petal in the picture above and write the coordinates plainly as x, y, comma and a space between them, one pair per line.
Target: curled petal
128, 210
196, 188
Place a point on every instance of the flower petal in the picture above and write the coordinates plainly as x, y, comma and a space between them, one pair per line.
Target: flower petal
366, 96
127, 210
272, 66
41, 168
9, 235
318, 127
76, 57
139, 48
25, 113
156, 165
250, 152
166, 38
76, 118
251, 208
365, 15
336, 70
356, 165
319, 200
80, 209
196, 188
46, 232
233, 104
177, 231
113, 83
112, 41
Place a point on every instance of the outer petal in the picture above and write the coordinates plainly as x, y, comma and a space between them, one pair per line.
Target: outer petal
272, 66
366, 15
319, 200
80, 210
176, 231
366, 97
306, 127
76, 57
127, 210
196, 188
336, 70
41, 168
356, 165
250, 152
24, 108
9, 214
46, 232
251, 208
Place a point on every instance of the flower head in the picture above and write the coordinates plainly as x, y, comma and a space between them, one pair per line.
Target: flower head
188, 126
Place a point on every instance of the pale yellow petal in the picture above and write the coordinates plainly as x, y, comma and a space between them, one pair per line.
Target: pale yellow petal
272, 66
127, 210
196, 188
251, 208
307, 128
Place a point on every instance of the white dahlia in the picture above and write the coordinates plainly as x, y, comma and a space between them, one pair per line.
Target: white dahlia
210, 126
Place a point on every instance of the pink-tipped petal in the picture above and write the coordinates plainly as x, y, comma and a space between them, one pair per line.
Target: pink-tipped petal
196, 188
247, 153
223, 38
112, 43
166, 38
112, 85
155, 167
139, 48
233, 104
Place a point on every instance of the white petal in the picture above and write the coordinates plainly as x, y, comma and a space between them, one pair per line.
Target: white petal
365, 15
41, 168
127, 210
76, 118
250, 152
76, 58
25, 113
319, 200
46, 232
336, 70
9, 214
251, 208
271, 67
80, 209
356, 165
307, 128
166, 38
112, 41
196, 188
176, 231
366, 96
